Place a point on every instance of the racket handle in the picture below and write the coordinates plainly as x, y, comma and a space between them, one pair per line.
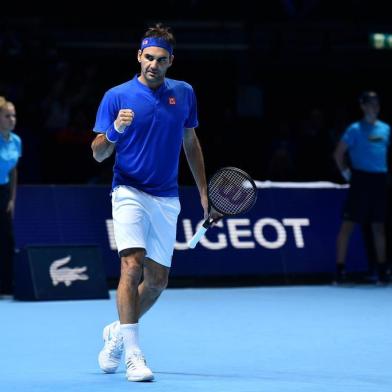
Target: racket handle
199, 233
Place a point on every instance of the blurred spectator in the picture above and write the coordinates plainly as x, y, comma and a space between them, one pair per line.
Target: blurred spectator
56, 106
71, 163
280, 154
312, 153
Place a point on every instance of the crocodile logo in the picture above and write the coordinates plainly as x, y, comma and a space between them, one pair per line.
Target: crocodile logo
66, 275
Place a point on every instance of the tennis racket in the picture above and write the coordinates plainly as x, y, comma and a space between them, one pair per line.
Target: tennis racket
230, 191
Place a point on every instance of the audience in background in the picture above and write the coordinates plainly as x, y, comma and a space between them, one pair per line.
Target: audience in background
59, 89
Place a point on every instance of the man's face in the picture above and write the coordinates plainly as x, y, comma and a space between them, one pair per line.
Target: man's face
154, 62
371, 108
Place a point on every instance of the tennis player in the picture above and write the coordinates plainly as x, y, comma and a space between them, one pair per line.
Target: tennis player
145, 121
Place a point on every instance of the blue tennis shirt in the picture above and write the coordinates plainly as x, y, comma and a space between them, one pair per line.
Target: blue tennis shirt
368, 145
147, 154
10, 152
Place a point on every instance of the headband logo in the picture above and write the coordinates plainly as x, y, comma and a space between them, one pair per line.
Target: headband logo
157, 41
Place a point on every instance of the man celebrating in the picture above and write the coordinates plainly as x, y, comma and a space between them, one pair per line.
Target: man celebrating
145, 121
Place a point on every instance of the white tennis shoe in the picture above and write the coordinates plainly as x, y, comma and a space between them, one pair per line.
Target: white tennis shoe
137, 369
110, 356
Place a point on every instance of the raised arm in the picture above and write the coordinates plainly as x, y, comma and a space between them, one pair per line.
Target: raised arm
101, 146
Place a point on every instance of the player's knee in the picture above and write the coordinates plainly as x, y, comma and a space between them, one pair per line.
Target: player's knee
132, 264
158, 284
137, 253
131, 272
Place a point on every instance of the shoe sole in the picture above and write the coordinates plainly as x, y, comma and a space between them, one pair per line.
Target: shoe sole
140, 379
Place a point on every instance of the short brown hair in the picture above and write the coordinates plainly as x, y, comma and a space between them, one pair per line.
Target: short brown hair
368, 96
4, 103
161, 31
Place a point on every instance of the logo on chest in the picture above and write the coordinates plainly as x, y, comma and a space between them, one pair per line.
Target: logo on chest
172, 101
375, 138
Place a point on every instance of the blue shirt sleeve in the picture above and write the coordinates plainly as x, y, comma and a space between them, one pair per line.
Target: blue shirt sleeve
106, 113
192, 121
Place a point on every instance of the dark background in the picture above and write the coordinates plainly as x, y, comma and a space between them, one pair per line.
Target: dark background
277, 81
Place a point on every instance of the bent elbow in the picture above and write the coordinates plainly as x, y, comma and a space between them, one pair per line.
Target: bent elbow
98, 157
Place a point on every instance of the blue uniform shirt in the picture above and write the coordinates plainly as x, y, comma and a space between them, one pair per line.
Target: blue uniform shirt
368, 145
10, 152
147, 154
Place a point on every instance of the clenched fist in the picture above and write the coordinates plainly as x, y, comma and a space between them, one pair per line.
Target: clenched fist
124, 119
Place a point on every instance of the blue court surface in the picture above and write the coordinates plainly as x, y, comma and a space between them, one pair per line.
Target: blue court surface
272, 339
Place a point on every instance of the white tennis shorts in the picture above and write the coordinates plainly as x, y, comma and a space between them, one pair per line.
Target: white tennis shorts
142, 220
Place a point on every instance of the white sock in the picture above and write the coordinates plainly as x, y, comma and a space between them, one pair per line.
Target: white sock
130, 333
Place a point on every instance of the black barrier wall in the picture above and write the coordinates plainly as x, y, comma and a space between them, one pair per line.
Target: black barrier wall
59, 272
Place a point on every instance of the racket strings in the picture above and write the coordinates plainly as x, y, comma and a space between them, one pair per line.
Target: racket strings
231, 192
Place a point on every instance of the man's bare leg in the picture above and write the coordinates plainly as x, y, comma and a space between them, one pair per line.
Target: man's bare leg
128, 302
155, 280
